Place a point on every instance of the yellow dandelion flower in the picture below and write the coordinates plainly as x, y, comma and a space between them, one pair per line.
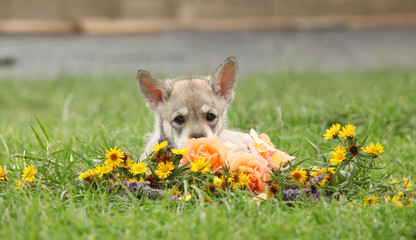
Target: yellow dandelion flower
164, 169
239, 180
29, 173
89, 174
233, 179
83, 176
332, 131
3, 174
338, 155
138, 168
400, 195
396, 201
102, 170
179, 151
244, 180
299, 175
126, 163
371, 201
330, 170
114, 157
374, 149
201, 165
160, 146
347, 131
220, 182
176, 192
93, 173
407, 184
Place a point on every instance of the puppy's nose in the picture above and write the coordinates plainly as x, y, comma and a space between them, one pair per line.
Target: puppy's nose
197, 135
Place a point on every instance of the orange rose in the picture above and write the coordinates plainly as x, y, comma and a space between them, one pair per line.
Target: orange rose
252, 164
262, 145
214, 150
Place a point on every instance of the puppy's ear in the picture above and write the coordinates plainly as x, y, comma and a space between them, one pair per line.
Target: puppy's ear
152, 88
224, 80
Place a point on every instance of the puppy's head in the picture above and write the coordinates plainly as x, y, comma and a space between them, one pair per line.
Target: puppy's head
191, 107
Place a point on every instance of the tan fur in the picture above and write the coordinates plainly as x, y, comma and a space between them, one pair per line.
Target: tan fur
195, 100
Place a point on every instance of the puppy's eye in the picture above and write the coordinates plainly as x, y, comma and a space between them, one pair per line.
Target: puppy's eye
179, 120
210, 117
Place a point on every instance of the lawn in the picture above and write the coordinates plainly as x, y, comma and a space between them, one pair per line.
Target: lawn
83, 115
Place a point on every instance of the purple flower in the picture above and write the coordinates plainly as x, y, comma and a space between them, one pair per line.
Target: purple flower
135, 186
139, 189
294, 193
290, 194
176, 197
316, 180
311, 193
152, 193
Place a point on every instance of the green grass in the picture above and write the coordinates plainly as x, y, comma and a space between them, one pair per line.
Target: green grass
83, 115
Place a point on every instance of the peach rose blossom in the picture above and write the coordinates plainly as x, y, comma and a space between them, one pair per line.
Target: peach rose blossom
252, 164
262, 145
214, 150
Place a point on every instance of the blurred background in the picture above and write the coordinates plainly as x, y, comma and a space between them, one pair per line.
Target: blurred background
51, 38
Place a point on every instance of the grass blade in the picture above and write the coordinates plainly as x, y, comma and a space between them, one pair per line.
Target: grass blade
5, 145
43, 129
317, 149
38, 138
362, 142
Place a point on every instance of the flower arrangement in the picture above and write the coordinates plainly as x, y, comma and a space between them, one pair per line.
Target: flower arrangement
211, 168
261, 171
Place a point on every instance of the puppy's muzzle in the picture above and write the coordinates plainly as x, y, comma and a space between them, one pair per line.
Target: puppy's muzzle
197, 135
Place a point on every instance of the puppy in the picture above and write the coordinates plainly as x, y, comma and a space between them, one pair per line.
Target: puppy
191, 107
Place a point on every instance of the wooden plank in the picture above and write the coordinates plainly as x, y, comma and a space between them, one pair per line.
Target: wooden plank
137, 26
101, 26
122, 26
36, 26
384, 20
196, 9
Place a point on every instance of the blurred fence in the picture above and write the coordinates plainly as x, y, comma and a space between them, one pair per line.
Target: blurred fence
143, 16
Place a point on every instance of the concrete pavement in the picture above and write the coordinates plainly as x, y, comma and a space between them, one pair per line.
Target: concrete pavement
175, 53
